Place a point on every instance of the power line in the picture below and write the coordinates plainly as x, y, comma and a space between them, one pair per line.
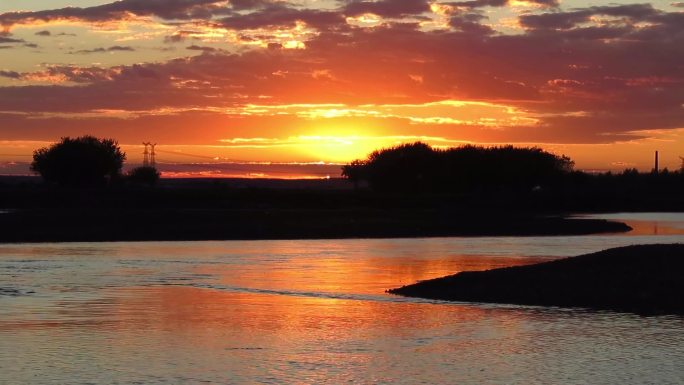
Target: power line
230, 167
186, 154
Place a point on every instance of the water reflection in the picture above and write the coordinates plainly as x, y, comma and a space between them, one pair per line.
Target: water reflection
648, 223
309, 312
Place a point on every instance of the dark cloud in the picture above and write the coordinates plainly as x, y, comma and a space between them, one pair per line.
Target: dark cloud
180, 36
240, 5
469, 22
497, 3
167, 9
72, 74
175, 38
237, 14
120, 10
120, 48
10, 74
6, 40
200, 48
280, 15
116, 48
478, 3
43, 33
387, 8
568, 20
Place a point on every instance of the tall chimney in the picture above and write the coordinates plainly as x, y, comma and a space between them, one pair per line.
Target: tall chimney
655, 170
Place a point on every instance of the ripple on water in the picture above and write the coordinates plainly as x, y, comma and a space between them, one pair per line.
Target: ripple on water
8, 291
311, 312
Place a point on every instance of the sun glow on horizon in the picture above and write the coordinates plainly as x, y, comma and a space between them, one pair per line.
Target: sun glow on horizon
320, 153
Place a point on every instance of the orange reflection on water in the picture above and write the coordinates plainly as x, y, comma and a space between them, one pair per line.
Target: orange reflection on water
242, 314
340, 274
296, 312
288, 333
645, 227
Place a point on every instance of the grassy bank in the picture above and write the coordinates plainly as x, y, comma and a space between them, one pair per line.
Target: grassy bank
52, 225
642, 279
202, 209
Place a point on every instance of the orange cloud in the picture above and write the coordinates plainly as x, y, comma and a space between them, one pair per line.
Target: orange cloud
329, 80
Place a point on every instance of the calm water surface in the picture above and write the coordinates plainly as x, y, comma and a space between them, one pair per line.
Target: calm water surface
313, 312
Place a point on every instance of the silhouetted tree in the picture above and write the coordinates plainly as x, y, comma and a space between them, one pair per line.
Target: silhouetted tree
354, 171
85, 160
503, 166
413, 166
417, 166
144, 175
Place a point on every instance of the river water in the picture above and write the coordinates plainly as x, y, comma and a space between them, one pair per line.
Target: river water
314, 312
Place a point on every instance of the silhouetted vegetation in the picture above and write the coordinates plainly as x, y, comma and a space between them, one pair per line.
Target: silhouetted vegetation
355, 172
145, 175
85, 160
416, 191
419, 167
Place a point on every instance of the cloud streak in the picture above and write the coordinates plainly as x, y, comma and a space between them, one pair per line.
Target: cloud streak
115, 48
119, 10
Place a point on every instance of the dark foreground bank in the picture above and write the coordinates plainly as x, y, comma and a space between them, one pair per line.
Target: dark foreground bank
122, 224
229, 210
643, 279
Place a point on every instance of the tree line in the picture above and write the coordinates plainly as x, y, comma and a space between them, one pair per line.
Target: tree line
412, 167
419, 167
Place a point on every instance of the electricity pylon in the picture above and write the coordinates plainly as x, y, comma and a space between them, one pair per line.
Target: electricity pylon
146, 154
153, 160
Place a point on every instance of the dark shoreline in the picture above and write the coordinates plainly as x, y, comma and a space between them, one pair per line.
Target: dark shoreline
644, 279
92, 225
205, 209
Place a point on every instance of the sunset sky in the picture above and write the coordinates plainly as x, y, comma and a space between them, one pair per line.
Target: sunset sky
330, 80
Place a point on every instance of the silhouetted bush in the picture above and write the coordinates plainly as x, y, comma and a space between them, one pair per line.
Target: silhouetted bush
355, 171
471, 166
419, 167
143, 175
85, 160
414, 166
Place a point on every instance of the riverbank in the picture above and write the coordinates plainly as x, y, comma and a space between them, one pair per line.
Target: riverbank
643, 279
121, 224
272, 209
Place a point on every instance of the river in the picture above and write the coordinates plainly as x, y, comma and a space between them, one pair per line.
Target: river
314, 312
